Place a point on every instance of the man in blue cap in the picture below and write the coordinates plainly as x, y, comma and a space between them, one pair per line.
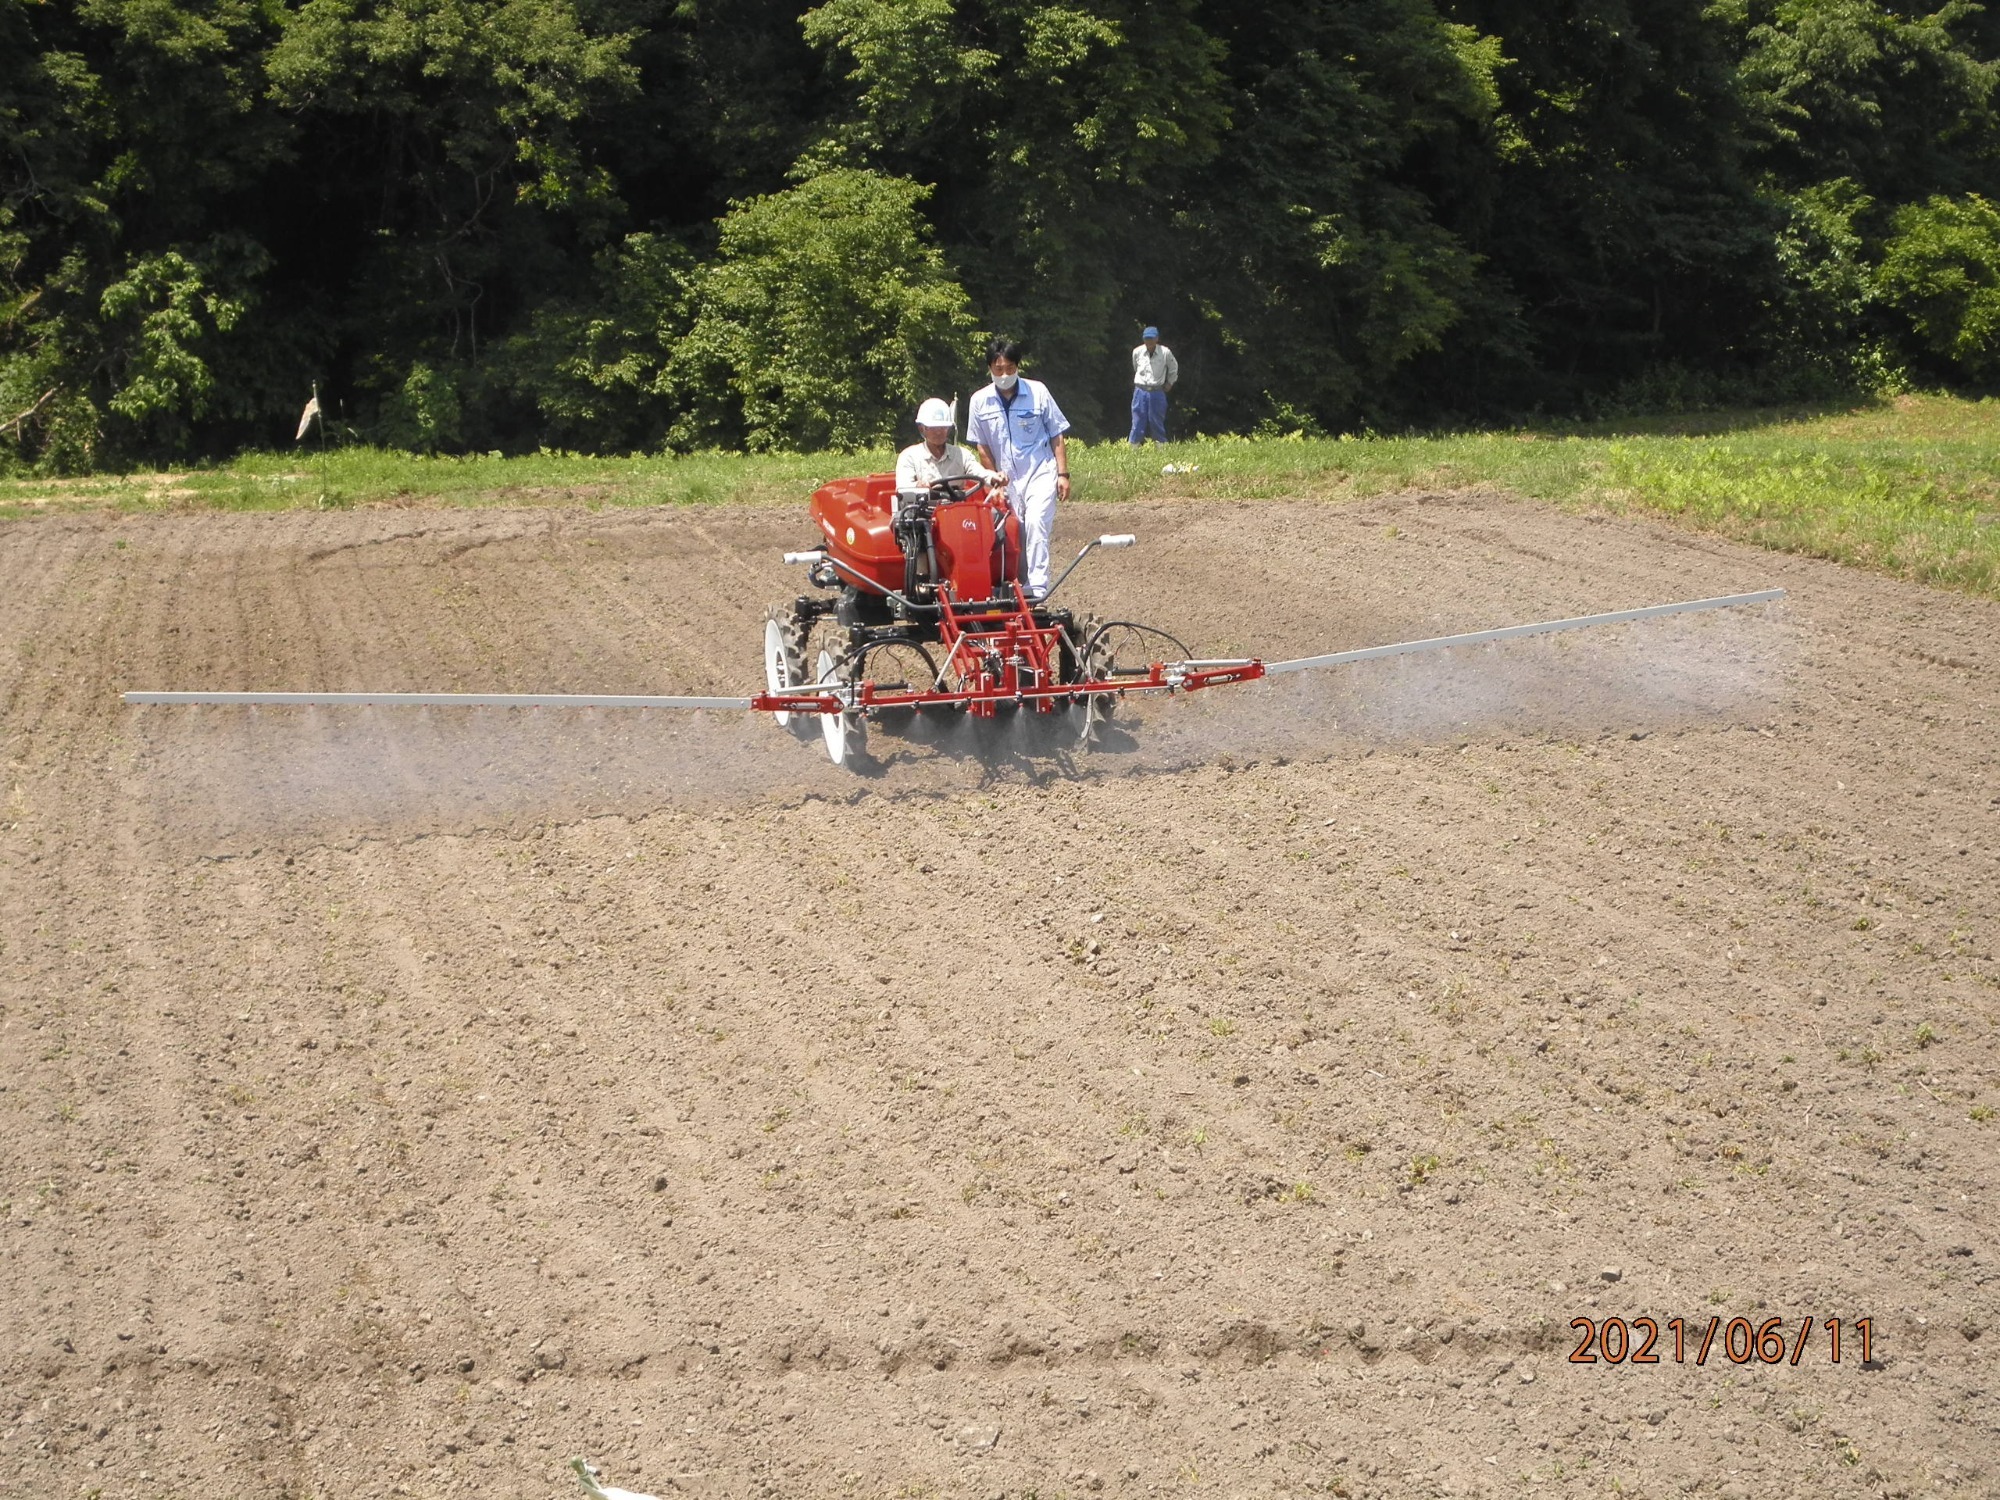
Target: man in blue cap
1154, 371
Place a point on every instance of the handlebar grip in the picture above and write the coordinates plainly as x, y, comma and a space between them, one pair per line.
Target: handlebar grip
805, 557
1123, 539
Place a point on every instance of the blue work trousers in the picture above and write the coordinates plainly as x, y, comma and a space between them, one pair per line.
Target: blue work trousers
1149, 415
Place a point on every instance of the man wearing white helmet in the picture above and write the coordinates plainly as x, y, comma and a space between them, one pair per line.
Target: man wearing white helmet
921, 465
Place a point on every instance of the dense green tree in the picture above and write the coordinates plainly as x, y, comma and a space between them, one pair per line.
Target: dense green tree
128, 130
1865, 120
622, 223
1059, 138
593, 364
826, 315
1622, 214
1901, 105
1941, 270
444, 141
1313, 260
1825, 319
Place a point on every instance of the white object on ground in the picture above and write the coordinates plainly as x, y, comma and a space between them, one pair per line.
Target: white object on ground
1179, 468
588, 1474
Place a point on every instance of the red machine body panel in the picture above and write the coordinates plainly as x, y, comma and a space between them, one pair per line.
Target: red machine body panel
854, 516
969, 547
978, 538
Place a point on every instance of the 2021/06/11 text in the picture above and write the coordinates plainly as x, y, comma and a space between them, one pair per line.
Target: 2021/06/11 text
1616, 1341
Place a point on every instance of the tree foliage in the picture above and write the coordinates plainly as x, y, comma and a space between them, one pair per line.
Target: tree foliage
1941, 268
824, 318
618, 224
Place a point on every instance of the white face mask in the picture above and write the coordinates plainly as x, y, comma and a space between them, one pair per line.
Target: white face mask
1004, 382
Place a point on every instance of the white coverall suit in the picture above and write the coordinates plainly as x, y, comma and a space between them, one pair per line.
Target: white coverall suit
1020, 437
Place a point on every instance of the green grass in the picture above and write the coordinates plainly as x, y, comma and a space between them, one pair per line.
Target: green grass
1909, 486
380, 477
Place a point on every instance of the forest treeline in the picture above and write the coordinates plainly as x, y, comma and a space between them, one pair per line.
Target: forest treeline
616, 225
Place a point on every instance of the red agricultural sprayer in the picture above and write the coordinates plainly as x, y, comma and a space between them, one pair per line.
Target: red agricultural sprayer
923, 610
920, 610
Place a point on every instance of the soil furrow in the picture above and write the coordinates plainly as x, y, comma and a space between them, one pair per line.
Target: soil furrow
401, 1103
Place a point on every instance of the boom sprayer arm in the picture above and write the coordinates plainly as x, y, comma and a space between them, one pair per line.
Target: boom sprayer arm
930, 615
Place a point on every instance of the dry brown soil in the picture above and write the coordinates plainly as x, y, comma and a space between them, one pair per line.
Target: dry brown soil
402, 1102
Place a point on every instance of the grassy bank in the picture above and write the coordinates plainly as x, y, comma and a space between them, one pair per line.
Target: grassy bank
1909, 486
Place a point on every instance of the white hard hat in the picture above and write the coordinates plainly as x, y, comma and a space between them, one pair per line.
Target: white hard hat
934, 413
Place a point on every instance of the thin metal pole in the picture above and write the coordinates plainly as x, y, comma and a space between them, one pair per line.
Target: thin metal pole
574, 700
437, 700
1515, 632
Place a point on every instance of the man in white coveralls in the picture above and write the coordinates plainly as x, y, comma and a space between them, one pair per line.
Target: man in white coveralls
921, 465
1019, 430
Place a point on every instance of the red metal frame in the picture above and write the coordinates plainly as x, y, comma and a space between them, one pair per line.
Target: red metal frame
998, 664
1013, 661
998, 655
1160, 677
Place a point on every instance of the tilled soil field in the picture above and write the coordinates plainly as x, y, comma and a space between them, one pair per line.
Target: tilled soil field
404, 1102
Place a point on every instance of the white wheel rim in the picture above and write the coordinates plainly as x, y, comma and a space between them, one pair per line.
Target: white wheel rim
776, 678
832, 726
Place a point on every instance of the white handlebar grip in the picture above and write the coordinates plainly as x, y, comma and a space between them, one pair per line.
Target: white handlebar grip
1124, 540
805, 557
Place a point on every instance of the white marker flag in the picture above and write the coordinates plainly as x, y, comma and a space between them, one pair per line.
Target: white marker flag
306, 417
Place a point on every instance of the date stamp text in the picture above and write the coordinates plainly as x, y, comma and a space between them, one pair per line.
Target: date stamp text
1648, 1341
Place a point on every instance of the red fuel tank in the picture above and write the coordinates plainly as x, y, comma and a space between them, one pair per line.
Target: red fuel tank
978, 541
853, 515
